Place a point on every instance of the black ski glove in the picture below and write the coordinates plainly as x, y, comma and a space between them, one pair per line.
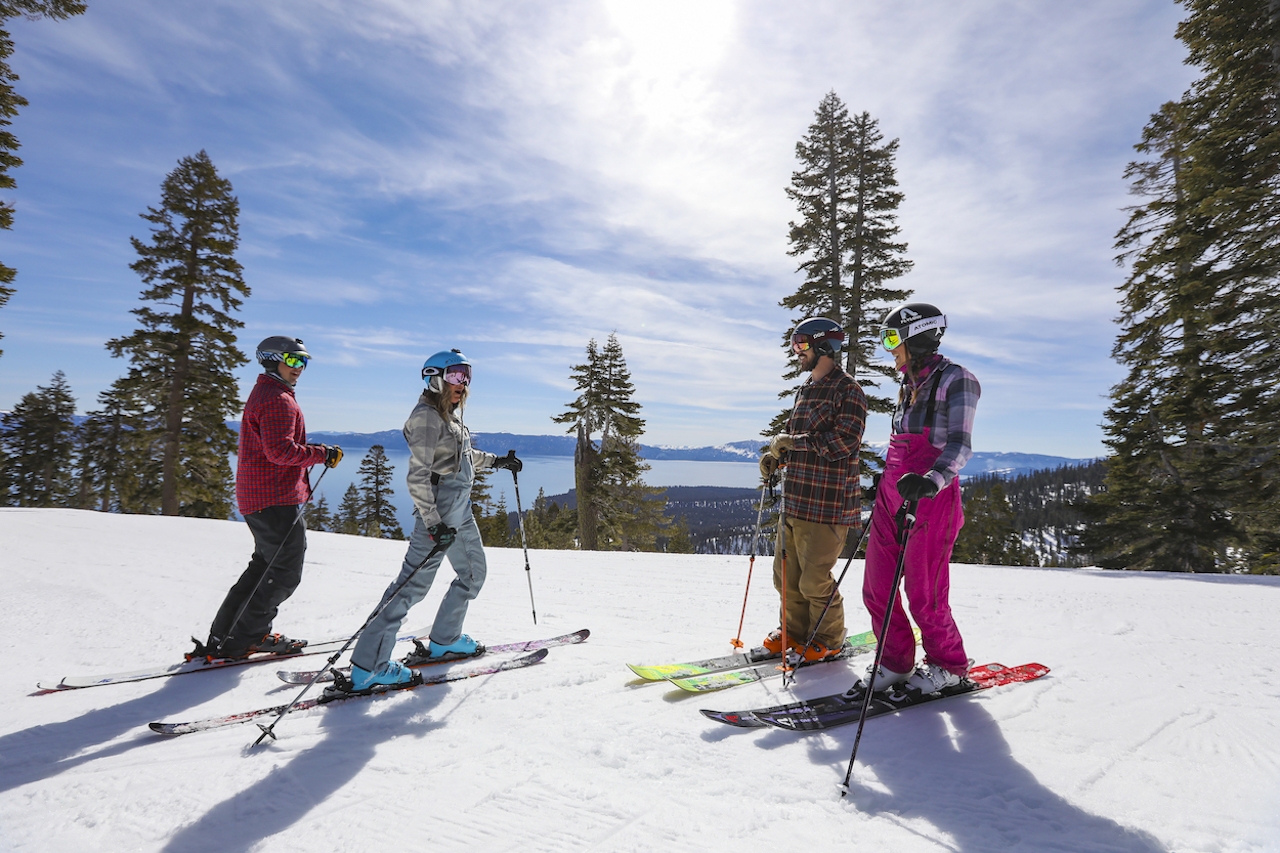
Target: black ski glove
332, 455
442, 535
509, 461
914, 487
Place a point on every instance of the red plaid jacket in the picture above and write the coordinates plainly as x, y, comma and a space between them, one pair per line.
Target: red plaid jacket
821, 483
273, 455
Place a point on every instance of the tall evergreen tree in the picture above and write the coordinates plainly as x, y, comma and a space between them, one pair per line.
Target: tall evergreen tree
116, 474
377, 514
989, 535
184, 355
317, 515
37, 443
347, 518
607, 477
10, 101
846, 192
491, 518
1193, 425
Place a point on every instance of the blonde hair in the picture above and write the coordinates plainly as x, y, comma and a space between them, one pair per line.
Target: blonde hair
442, 404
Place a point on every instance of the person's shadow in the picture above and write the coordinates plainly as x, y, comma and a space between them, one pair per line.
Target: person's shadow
44, 751
293, 788
968, 785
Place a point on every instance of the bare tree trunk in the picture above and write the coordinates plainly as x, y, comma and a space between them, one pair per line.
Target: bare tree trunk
584, 462
169, 504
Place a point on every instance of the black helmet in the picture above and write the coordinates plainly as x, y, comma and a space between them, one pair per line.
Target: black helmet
273, 350
918, 323
824, 335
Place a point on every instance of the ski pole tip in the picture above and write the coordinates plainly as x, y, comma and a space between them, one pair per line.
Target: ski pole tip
266, 731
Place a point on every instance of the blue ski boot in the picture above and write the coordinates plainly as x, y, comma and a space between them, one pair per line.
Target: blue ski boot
391, 672
463, 647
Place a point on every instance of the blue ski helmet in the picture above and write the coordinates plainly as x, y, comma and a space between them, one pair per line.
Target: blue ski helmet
451, 361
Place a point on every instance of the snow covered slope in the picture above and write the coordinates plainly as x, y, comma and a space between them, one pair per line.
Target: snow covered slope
1158, 729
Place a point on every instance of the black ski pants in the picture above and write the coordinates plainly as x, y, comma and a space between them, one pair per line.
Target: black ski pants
274, 572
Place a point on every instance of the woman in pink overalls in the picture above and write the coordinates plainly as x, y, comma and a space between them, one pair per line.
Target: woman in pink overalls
930, 443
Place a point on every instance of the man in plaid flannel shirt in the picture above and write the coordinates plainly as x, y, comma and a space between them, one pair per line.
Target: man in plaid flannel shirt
271, 489
821, 492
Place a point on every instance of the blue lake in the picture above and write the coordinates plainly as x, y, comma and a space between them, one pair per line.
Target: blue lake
551, 474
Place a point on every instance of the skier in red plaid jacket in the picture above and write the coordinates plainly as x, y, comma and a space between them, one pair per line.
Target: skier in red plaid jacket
272, 487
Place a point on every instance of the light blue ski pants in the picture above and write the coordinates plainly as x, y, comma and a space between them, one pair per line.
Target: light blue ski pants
466, 556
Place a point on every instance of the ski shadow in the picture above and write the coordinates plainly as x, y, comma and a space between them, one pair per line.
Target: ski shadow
967, 784
44, 751
301, 781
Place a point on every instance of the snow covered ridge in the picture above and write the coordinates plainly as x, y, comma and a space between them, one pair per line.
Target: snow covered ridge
1140, 740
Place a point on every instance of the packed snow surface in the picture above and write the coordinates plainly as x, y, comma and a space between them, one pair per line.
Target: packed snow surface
1158, 729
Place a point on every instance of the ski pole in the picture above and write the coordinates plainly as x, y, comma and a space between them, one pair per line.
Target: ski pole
907, 522
755, 539
782, 545
528, 573
268, 731
832, 597
245, 604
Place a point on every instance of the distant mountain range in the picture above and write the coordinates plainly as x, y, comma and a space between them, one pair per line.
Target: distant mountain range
1003, 464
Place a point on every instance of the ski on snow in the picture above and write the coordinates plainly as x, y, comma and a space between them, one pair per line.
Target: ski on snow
319, 647
837, 709
723, 663
503, 648
332, 695
856, 645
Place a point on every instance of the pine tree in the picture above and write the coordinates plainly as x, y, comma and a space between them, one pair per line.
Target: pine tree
184, 354
548, 525
317, 516
1193, 425
846, 193
680, 541
490, 519
607, 477
989, 535
10, 101
115, 473
347, 518
37, 443
377, 514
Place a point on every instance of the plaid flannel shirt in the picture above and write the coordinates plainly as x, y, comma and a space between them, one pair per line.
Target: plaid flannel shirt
821, 482
273, 454
955, 406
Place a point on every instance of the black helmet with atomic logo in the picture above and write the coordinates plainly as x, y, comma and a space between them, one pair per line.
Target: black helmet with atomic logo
920, 324
822, 334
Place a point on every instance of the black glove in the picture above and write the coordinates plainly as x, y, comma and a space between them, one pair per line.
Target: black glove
509, 461
442, 535
332, 455
914, 487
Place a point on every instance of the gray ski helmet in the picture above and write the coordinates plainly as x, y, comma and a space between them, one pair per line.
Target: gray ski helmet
271, 351
920, 324
822, 333
433, 369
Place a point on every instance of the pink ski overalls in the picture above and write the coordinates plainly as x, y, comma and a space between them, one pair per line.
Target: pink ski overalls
927, 577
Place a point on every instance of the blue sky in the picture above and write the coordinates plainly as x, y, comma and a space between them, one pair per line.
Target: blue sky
515, 178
